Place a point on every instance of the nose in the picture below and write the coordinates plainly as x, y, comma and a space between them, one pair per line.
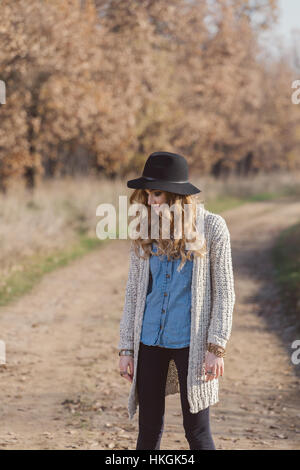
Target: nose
150, 199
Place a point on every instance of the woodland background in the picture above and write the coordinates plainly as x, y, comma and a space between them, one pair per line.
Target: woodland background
93, 87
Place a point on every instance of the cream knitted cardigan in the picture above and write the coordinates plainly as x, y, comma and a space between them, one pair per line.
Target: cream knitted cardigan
212, 303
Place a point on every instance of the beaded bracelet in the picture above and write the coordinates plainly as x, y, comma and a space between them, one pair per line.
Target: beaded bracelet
216, 350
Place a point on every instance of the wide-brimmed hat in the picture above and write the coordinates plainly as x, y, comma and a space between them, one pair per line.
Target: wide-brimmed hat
166, 171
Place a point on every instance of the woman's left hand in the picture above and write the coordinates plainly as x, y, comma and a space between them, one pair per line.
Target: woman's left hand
213, 364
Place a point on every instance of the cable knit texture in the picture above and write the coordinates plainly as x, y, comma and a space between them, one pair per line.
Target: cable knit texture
212, 304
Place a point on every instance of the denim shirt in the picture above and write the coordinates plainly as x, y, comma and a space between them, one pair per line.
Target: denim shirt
167, 314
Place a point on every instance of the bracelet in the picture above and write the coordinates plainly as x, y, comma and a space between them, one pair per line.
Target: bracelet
216, 350
126, 352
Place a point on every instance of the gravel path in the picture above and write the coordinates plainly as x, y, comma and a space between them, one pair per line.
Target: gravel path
61, 386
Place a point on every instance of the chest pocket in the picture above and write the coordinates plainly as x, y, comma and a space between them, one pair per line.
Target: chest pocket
156, 264
184, 276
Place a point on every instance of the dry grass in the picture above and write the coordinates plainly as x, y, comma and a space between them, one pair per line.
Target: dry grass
49, 218
260, 185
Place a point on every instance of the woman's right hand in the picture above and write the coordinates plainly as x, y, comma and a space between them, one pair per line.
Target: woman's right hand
125, 363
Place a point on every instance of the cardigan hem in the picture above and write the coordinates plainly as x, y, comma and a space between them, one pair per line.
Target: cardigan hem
201, 405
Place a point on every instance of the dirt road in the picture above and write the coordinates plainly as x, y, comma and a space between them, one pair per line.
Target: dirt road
61, 387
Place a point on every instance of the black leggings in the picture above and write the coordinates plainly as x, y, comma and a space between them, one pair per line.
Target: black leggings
152, 372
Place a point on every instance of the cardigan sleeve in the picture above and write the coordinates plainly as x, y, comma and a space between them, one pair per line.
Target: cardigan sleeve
127, 320
222, 285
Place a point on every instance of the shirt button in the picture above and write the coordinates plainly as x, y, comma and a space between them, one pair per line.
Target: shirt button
163, 310
167, 275
165, 294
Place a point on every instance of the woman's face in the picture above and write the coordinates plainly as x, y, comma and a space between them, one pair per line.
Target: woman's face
156, 197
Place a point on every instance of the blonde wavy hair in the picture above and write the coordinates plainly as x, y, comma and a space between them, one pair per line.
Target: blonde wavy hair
172, 248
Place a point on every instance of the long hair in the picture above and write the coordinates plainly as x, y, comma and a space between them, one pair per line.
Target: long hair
171, 247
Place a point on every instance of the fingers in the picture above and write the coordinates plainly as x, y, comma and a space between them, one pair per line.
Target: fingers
213, 366
127, 376
124, 370
131, 370
213, 371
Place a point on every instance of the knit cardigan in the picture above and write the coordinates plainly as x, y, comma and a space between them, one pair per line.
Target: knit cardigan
212, 304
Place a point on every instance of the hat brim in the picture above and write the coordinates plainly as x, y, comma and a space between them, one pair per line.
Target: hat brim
178, 188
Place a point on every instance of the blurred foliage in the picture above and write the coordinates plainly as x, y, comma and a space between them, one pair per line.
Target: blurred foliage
95, 86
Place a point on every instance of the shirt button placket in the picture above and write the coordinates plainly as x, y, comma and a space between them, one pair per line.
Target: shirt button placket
161, 316
165, 298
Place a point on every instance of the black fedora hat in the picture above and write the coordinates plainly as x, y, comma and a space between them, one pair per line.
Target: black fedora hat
166, 171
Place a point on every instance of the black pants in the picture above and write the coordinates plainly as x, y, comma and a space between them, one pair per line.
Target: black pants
152, 372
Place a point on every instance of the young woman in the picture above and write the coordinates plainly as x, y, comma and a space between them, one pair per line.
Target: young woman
179, 302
